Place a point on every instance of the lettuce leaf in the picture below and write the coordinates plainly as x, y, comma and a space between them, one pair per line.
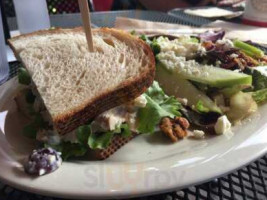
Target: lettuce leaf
32, 128
69, 149
102, 140
201, 108
23, 76
158, 105
88, 140
260, 96
259, 78
153, 44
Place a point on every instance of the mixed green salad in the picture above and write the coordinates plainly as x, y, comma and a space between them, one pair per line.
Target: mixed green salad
206, 81
214, 74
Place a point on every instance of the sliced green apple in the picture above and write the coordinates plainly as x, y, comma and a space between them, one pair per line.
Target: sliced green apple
205, 74
174, 85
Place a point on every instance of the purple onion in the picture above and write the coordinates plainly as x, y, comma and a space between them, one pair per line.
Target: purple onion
212, 36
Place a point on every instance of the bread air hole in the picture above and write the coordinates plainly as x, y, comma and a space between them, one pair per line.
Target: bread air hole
109, 42
121, 58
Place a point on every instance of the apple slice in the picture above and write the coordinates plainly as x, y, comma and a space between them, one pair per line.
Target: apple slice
205, 74
174, 85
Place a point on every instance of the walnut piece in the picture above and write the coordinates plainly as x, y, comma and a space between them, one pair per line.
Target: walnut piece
175, 128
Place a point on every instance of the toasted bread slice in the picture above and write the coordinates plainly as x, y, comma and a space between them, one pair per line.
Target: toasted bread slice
77, 85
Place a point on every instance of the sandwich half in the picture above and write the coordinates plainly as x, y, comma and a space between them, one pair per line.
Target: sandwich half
72, 87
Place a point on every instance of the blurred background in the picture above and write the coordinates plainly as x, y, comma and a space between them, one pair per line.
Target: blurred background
71, 6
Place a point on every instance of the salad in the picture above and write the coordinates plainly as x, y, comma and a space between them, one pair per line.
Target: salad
218, 81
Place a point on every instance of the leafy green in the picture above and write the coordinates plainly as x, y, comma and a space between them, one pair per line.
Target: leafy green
155, 47
194, 40
189, 40
23, 76
87, 139
29, 96
158, 105
201, 108
100, 140
144, 38
153, 44
31, 129
79, 149
260, 96
83, 133
133, 32
259, 80
69, 149
125, 131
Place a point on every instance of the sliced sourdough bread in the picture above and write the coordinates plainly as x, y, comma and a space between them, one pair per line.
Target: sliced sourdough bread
76, 85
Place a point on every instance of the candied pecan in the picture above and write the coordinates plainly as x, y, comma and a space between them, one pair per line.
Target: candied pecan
175, 128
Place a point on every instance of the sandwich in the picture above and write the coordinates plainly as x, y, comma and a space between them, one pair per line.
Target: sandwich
80, 102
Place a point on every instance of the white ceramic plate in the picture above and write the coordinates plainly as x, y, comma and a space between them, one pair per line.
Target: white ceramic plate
146, 165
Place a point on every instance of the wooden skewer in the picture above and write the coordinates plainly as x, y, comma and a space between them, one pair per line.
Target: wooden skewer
85, 12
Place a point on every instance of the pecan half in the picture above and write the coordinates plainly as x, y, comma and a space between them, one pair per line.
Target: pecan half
175, 128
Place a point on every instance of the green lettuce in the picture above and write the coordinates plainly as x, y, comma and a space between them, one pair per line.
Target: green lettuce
152, 43
201, 108
32, 128
23, 76
87, 140
260, 96
158, 105
259, 79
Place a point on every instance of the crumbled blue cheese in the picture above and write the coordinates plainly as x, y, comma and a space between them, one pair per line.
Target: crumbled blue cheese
182, 65
140, 101
198, 134
223, 125
181, 46
226, 43
233, 55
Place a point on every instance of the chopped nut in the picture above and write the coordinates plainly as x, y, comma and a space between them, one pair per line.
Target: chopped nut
175, 128
182, 121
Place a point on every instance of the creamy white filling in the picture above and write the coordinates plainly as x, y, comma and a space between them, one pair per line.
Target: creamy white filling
107, 121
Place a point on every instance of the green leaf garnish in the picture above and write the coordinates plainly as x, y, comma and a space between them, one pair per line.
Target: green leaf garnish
201, 108
158, 105
260, 96
23, 76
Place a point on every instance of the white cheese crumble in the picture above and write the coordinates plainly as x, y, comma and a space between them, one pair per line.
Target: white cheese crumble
140, 101
183, 101
233, 55
198, 134
181, 46
181, 65
218, 63
226, 43
223, 125
41, 172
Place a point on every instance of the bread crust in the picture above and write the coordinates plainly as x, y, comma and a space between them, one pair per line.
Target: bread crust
127, 91
116, 143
